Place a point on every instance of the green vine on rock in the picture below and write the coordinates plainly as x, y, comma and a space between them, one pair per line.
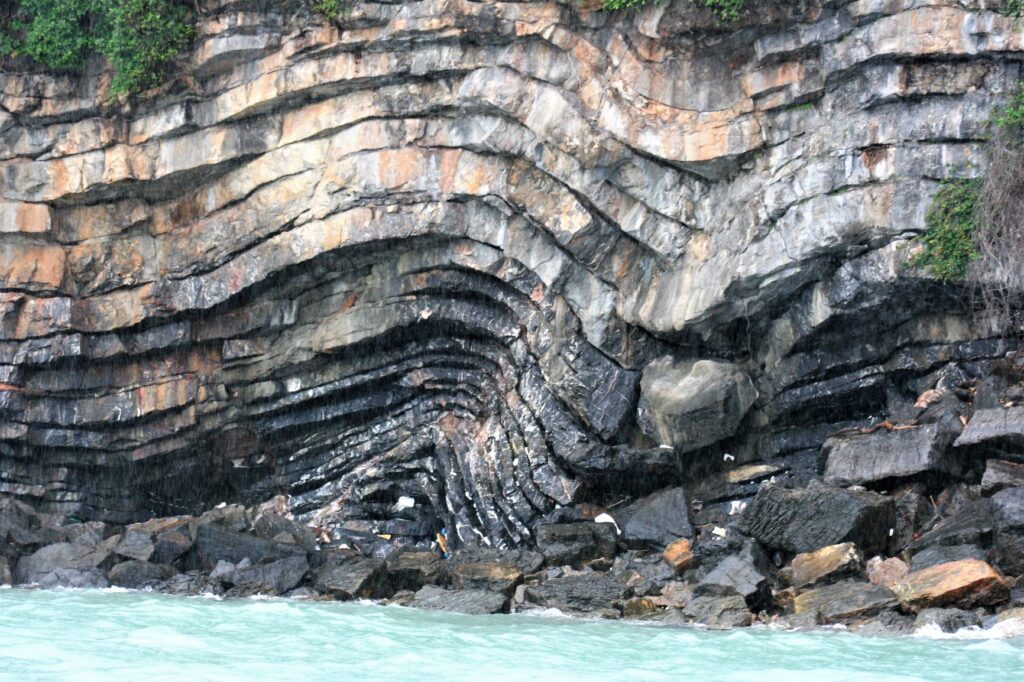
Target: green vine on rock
948, 242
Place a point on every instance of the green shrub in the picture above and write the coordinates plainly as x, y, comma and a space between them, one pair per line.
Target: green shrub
1011, 116
725, 10
137, 37
948, 242
55, 33
332, 9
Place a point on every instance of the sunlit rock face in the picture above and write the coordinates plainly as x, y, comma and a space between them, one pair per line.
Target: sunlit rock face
428, 252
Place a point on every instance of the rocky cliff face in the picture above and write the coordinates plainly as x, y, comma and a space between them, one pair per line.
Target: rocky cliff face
498, 258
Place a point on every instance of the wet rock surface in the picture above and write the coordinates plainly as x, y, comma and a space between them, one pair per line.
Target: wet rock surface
808, 519
432, 598
947, 620
657, 520
881, 456
965, 584
692, 405
845, 601
541, 256
828, 564
497, 317
575, 543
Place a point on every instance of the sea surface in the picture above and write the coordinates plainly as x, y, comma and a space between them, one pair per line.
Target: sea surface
117, 635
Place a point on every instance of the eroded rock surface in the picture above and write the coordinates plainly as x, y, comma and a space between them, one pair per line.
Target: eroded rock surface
407, 270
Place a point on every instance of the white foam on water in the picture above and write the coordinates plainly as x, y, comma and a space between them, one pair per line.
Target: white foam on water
1007, 629
115, 637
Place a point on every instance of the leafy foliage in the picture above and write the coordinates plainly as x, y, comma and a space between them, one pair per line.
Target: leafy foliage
52, 32
332, 8
1011, 117
725, 10
948, 243
137, 37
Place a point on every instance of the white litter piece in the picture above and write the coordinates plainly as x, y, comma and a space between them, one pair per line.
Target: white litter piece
720, 532
728, 458
607, 518
736, 507
405, 502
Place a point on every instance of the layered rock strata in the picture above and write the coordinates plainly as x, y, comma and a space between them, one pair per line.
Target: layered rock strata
409, 269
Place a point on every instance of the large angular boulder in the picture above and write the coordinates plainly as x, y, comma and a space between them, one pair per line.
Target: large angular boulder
887, 456
826, 565
719, 613
135, 574
913, 512
943, 554
657, 520
736, 576
75, 556
691, 405
412, 570
947, 620
576, 543
997, 431
597, 593
161, 540
526, 560
1008, 517
20, 525
280, 528
971, 524
1000, 474
964, 584
679, 556
135, 545
491, 576
276, 577
803, 520
355, 579
74, 578
886, 572
230, 516
216, 543
844, 601
478, 602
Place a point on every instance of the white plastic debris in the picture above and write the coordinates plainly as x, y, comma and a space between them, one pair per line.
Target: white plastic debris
892, 532
222, 505
405, 502
607, 518
736, 507
728, 458
666, 447
720, 532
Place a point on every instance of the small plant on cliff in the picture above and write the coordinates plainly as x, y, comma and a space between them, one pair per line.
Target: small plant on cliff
948, 243
998, 273
976, 227
725, 10
137, 37
332, 8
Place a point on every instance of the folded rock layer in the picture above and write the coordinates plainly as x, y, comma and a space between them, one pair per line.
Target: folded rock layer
409, 268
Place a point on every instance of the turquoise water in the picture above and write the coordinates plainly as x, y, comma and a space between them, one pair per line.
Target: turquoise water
95, 635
